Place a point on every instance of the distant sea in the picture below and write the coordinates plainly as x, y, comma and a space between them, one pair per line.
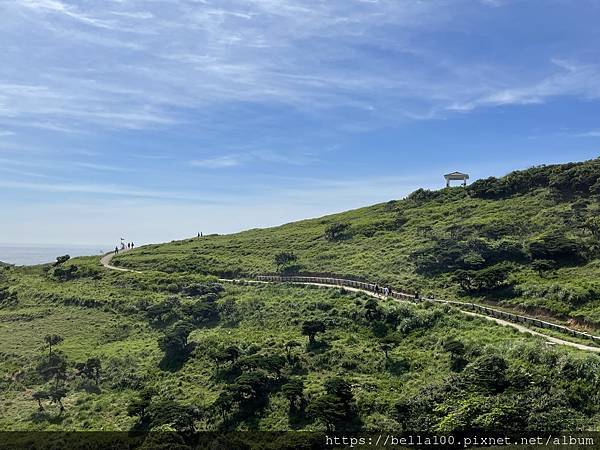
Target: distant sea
24, 254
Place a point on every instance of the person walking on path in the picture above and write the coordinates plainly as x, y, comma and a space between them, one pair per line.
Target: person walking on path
116, 250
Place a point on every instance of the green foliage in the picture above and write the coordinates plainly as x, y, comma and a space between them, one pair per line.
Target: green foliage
336, 409
284, 259
174, 343
310, 328
541, 266
52, 340
484, 280
555, 247
294, 392
90, 369
61, 259
336, 231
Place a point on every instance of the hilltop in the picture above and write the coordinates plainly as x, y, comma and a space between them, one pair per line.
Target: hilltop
528, 240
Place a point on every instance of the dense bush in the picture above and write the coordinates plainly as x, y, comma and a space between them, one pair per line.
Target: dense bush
448, 255
555, 247
565, 180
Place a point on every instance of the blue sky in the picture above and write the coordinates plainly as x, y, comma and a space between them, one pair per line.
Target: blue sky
155, 119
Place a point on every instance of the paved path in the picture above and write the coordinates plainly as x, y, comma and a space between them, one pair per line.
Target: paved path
106, 259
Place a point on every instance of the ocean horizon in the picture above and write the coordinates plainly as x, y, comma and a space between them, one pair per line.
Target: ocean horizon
31, 254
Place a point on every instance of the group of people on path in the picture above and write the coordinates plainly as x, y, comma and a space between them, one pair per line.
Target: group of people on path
387, 291
124, 246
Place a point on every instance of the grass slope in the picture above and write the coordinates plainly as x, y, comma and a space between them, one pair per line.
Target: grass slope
423, 243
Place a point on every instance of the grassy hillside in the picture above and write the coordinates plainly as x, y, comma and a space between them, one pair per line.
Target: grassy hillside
179, 350
85, 348
529, 240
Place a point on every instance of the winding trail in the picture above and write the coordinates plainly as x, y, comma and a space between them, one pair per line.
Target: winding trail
107, 258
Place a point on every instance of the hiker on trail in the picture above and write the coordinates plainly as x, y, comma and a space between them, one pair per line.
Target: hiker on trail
132, 245
386, 291
116, 250
417, 295
377, 289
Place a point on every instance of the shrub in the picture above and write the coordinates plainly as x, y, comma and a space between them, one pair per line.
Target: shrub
336, 231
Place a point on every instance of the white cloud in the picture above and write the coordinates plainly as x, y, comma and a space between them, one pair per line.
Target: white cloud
293, 157
577, 80
218, 163
592, 133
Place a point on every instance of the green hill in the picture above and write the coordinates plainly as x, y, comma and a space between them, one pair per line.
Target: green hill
174, 349
529, 240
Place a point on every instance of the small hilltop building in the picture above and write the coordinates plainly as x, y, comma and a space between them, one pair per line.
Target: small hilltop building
456, 176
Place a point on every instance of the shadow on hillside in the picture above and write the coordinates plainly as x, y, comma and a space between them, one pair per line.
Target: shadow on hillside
297, 417
175, 363
317, 347
397, 367
44, 416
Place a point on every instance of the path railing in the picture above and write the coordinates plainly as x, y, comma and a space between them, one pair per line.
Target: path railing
511, 317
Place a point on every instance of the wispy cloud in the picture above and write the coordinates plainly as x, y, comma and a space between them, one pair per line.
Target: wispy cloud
101, 167
572, 79
586, 134
319, 58
256, 156
104, 189
218, 163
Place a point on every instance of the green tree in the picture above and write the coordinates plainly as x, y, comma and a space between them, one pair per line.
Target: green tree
53, 367
336, 231
61, 260
457, 351
329, 410
310, 328
39, 396
52, 340
372, 311
336, 408
541, 266
174, 342
487, 373
169, 412
90, 369
294, 392
387, 344
56, 394
284, 259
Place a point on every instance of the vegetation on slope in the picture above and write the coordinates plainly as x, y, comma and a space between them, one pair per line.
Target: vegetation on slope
529, 240
120, 351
